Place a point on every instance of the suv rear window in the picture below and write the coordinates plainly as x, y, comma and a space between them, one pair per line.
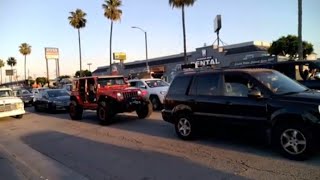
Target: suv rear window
179, 85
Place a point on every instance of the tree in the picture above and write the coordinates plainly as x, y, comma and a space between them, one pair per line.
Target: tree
300, 46
78, 21
113, 13
85, 73
11, 62
41, 80
288, 46
181, 4
25, 49
1, 66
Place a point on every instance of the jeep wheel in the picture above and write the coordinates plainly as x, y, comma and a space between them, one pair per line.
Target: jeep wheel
144, 111
184, 127
155, 102
294, 141
75, 111
105, 113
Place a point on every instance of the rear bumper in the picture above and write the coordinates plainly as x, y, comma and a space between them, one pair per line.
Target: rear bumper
167, 116
12, 113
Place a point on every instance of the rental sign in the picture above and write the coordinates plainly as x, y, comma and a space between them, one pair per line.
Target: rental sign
51, 53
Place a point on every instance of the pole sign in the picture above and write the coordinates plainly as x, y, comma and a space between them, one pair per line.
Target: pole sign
52, 53
119, 56
9, 72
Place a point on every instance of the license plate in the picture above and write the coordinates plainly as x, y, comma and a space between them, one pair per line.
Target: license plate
136, 102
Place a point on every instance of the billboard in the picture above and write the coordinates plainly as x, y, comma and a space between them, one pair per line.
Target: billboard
52, 53
9, 72
217, 23
119, 56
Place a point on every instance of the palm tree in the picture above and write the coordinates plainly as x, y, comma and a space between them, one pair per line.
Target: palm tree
300, 46
78, 21
181, 4
25, 49
1, 66
11, 62
112, 12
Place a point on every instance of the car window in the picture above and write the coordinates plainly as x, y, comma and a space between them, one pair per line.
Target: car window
207, 84
57, 93
111, 81
237, 85
156, 83
133, 84
179, 85
6, 93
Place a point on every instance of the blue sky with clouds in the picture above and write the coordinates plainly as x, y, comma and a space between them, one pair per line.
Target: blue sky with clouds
43, 23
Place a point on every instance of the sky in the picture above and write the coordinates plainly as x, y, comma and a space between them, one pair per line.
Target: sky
44, 23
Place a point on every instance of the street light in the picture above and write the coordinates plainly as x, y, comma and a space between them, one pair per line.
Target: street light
89, 64
146, 42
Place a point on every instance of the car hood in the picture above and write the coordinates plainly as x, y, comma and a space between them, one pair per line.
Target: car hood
61, 98
7, 100
163, 88
310, 96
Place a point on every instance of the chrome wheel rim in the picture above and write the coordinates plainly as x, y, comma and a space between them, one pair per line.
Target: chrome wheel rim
184, 127
293, 141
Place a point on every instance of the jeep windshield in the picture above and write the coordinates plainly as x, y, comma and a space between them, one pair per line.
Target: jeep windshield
111, 81
279, 83
6, 93
156, 83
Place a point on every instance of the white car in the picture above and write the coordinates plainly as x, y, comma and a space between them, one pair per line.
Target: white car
156, 89
10, 105
36, 92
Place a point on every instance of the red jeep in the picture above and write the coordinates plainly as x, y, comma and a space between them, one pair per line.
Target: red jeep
108, 95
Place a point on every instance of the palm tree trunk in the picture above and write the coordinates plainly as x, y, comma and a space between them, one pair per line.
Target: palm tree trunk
80, 52
1, 74
184, 37
25, 67
110, 53
300, 48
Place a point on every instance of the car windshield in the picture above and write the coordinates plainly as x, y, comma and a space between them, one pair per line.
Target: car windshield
111, 81
57, 93
6, 93
156, 83
279, 83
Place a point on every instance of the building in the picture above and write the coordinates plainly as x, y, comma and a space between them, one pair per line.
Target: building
167, 66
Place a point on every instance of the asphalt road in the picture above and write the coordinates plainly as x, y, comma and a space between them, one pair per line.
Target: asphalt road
51, 146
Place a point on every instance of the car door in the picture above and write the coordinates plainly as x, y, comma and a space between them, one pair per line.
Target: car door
207, 96
42, 100
240, 109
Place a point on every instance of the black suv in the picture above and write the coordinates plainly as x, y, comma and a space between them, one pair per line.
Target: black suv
263, 99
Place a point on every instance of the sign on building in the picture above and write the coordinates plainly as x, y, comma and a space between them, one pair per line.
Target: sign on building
119, 56
207, 61
52, 53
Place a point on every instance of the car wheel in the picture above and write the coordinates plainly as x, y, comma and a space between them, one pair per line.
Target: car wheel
155, 102
18, 116
184, 127
144, 111
105, 113
75, 111
294, 141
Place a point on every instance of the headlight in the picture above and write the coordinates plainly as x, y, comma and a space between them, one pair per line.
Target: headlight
139, 93
19, 105
163, 92
119, 94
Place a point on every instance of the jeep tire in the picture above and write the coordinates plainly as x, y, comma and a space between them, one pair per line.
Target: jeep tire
144, 110
293, 141
105, 113
75, 111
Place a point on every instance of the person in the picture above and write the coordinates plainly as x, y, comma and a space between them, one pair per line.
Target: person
92, 93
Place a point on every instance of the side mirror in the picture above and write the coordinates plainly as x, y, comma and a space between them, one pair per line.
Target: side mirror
254, 94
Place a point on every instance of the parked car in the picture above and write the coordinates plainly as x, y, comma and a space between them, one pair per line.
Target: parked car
67, 87
156, 90
10, 105
52, 100
25, 95
108, 95
36, 92
287, 112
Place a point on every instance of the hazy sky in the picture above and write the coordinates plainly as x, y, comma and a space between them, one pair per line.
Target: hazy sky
44, 23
